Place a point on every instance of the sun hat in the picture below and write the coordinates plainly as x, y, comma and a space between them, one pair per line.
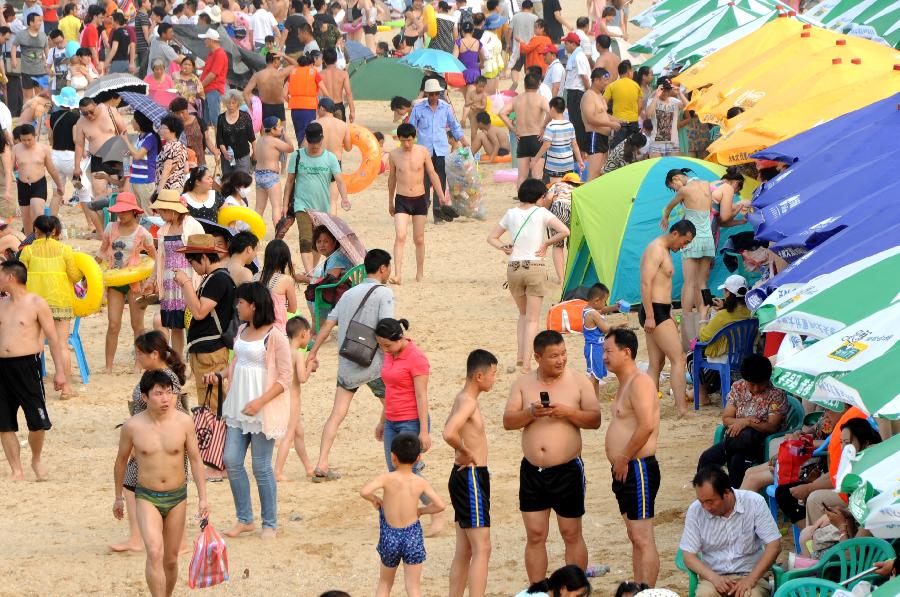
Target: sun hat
201, 243
67, 98
432, 86
71, 47
169, 199
125, 202
572, 38
734, 284
210, 34
494, 21
572, 178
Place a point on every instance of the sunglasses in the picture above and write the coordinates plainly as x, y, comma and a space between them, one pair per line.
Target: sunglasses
88, 112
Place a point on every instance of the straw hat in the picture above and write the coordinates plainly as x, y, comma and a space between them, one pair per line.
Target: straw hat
169, 199
125, 202
201, 243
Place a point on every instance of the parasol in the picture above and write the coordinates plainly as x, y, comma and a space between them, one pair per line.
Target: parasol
437, 60
355, 51
146, 106
350, 245
106, 86
115, 149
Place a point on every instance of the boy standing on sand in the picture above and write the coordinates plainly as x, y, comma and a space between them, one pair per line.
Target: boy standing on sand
401, 537
34, 163
595, 328
470, 482
298, 333
159, 438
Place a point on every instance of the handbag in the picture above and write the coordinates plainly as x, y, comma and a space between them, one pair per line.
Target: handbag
792, 455
210, 429
330, 295
209, 563
359, 344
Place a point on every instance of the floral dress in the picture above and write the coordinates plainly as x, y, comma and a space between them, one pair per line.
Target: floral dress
171, 300
176, 152
189, 87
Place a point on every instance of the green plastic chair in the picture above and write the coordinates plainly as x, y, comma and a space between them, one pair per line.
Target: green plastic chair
842, 561
808, 587
693, 579
354, 275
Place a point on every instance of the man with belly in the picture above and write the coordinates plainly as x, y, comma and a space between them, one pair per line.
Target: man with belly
631, 447
551, 405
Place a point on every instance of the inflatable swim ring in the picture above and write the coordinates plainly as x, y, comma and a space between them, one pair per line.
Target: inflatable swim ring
129, 275
500, 159
396, 24
90, 303
235, 213
430, 20
454, 79
506, 175
363, 139
384, 28
495, 120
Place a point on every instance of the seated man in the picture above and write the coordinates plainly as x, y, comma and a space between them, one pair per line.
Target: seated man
755, 410
493, 140
734, 533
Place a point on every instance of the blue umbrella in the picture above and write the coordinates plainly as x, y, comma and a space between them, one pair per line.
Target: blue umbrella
355, 51
146, 106
437, 60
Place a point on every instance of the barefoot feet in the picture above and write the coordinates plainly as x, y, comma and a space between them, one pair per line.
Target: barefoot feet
240, 528
438, 521
130, 544
267, 534
40, 471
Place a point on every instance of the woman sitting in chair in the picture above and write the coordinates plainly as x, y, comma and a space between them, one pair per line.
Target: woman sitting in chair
755, 409
334, 265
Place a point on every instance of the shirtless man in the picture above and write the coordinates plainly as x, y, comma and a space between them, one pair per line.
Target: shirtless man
532, 114
269, 148
606, 59
241, 253
98, 124
34, 162
598, 124
337, 86
409, 164
337, 136
631, 447
655, 314
552, 405
269, 83
25, 320
470, 482
159, 437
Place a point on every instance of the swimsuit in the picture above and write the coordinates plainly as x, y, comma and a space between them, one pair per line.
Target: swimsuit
593, 348
597, 143
637, 495
414, 206
469, 58
703, 244
470, 494
22, 387
163, 501
661, 312
266, 179
559, 487
528, 146
276, 110
395, 544
31, 190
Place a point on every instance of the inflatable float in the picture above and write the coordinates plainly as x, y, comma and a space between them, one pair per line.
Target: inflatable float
506, 175
500, 159
430, 19
90, 302
363, 139
236, 213
125, 276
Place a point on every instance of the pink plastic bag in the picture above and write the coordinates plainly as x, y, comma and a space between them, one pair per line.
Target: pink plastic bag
209, 564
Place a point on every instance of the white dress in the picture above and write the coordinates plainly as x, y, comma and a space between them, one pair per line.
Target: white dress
248, 382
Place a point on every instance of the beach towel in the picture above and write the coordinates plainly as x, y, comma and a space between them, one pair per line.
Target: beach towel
209, 564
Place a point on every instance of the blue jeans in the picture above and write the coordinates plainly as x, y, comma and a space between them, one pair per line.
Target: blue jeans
394, 428
236, 444
213, 107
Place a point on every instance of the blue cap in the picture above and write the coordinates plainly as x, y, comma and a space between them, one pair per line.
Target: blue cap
270, 122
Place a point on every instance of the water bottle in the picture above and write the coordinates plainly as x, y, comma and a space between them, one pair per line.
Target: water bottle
624, 306
231, 160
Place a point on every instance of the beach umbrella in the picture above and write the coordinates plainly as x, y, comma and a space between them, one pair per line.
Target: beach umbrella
437, 60
829, 303
871, 388
383, 78
355, 51
888, 589
114, 149
853, 16
350, 245
103, 88
146, 106
887, 24
655, 13
882, 514
878, 465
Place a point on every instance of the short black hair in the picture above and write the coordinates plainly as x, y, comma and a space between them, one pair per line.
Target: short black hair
23, 129
271, 56
597, 290
162, 28
406, 131
715, 476
481, 79
532, 82
31, 17
176, 105
531, 190
683, 228
608, 11
479, 360
600, 73
624, 338
547, 338
119, 18
16, 269
329, 56
527, 4
55, 33
259, 296
398, 102
604, 41
534, 70
295, 325
323, 229
173, 123
240, 241
582, 22
629, 586
756, 368
483, 118
335, 593
624, 67
558, 104
155, 377
406, 447
376, 259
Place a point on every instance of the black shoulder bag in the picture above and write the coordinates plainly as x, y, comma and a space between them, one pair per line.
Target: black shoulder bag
359, 344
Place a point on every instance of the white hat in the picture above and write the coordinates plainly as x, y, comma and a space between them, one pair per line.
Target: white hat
734, 284
433, 86
210, 34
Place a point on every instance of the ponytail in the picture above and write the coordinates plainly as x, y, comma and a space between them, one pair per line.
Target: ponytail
671, 174
733, 173
391, 329
155, 341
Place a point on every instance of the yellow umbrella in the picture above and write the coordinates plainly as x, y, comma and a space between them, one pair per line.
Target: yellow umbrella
736, 146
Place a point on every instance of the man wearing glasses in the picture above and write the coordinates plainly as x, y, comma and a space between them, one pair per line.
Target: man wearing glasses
98, 124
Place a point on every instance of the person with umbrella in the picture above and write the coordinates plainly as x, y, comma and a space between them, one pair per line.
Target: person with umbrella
143, 155
98, 124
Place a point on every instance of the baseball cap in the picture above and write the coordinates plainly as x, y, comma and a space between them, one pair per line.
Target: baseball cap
572, 37
551, 49
327, 104
734, 284
210, 34
270, 122
314, 132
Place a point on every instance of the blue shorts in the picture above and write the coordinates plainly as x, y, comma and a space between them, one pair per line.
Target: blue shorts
407, 544
266, 179
593, 356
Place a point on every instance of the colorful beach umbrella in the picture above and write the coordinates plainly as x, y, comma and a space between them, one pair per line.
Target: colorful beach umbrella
872, 387
348, 242
878, 465
437, 60
615, 216
882, 515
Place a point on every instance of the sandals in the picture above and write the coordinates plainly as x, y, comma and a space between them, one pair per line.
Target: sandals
321, 476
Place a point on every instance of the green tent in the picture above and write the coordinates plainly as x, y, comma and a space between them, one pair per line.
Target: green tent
383, 78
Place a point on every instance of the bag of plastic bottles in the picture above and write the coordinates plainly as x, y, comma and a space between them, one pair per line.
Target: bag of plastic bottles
464, 184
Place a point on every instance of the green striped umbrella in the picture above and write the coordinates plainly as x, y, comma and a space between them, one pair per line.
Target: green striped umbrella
882, 514
656, 13
855, 16
830, 302
872, 388
886, 24
888, 589
878, 466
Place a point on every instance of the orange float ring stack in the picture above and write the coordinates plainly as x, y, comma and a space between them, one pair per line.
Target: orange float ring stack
363, 139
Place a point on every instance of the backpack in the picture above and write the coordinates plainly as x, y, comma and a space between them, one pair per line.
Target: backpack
229, 332
465, 16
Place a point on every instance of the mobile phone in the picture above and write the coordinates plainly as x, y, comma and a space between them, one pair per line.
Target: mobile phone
707, 296
545, 399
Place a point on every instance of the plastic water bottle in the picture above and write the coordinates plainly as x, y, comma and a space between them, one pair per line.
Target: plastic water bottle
231, 160
624, 306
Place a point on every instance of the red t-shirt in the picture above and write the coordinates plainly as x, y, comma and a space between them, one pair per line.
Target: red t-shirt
50, 14
400, 392
90, 38
216, 63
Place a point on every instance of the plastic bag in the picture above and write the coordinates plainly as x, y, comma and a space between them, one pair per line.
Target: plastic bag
464, 184
209, 564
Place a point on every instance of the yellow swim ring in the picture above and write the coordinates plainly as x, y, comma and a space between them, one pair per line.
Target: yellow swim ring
234, 213
430, 20
90, 302
363, 139
124, 276
495, 120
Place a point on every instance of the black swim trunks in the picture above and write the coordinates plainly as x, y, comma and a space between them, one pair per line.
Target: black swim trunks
31, 190
370, 29
340, 112
661, 312
528, 146
414, 206
470, 494
23, 388
276, 110
597, 143
559, 487
637, 495
111, 168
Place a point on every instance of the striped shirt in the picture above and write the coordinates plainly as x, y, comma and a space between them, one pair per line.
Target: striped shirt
561, 135
143, 171
730, 545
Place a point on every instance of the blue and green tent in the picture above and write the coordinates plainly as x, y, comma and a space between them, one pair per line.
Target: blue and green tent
614, 218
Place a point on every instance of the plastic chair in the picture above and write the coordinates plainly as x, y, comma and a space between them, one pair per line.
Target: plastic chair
740, 337
354, 275
693, 579
842, 561
75, 342
808, 587
793, 423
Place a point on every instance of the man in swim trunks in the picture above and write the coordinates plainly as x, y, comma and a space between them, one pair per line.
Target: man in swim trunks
470, 481
159, 437
410, 163
532, 113
269, 148
34, 162
655, 314
551, 475
336, 83
269, 84
98, 124
25, 320
598, 124
631, 447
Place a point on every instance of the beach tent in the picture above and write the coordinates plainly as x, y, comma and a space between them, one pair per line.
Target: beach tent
615, 216
383, 78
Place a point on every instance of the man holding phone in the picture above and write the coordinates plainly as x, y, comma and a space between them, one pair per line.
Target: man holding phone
551, 405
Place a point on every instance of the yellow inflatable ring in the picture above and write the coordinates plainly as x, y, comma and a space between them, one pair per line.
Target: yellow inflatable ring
430, 20
495, 120
363, 139
90, 303
384, 27
129, 275
235, 213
